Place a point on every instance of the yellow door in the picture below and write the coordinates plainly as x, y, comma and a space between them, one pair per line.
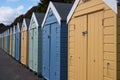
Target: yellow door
10, 44
77, 49
25, 48
95, 46
22, 49
85, 61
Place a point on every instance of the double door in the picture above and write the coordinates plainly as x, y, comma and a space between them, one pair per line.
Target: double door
85, 54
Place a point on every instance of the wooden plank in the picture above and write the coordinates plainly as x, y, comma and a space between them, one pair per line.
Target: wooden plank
118, 56
118, 75
118, 31
119, 21
89, 10
87, 5
109, 21
109, 56
118, 65
109, 65
109, 73
108, 13
118, 11
109, 39
118, 39
109, 47
118, 48
106, 78
109, 30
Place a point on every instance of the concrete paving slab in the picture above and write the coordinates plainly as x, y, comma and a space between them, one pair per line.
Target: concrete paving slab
10, 69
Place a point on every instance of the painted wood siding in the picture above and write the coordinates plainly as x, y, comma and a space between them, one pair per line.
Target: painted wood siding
54, 50
64, 50
109, 39
118, 45
33, 48
5, 43
18, 46
24, 47
39, 51
8, 44
11, 44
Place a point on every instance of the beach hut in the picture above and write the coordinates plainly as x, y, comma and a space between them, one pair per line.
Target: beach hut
2, 41
4, 38
13, 42
54, 41
11, 37
8, 40
93, 40
24, 41
18, 41
34, 59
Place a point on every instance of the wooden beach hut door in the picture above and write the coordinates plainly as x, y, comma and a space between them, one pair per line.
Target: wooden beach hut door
31, 40
86, 48
46, 51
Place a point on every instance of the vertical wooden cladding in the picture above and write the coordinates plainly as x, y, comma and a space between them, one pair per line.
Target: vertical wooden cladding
34, 53
4, 42
10, 41
93, 56
118, 44
55, 42
24, 44
75, 49
13, 42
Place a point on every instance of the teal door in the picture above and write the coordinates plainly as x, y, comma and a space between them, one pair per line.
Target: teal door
30, 62
35, 50
13, 46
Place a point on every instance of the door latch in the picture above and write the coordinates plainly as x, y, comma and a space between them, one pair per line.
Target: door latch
84, 33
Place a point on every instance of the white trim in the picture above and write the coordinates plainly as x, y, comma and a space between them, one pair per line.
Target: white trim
24, 25
14, 29
18, 28
112, 4
72, 10
54, 10
35, 19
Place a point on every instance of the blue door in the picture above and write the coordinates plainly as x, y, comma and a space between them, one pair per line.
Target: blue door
17, 46
53, 41
46, 51
8, 43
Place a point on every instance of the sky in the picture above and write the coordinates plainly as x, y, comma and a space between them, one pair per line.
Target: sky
10, 9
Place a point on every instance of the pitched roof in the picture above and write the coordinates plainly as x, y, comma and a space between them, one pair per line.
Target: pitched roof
60, 10
63, 9
27, 22
39, 17
111, 3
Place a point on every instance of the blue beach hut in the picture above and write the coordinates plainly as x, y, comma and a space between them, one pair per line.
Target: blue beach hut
54, 41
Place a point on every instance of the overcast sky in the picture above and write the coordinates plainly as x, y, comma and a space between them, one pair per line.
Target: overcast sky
10, 9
